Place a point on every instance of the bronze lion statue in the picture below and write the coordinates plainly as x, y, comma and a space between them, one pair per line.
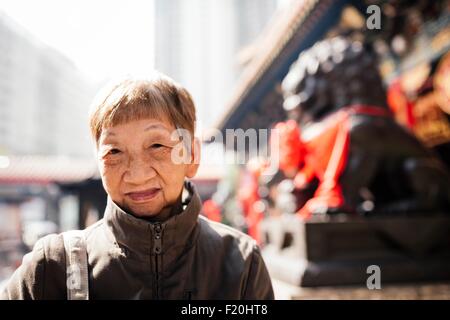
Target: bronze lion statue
341, 146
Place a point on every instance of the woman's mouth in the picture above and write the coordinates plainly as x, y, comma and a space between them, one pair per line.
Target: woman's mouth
144, 195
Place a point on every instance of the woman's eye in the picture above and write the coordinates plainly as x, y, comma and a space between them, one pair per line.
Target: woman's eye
156, 146
114, 151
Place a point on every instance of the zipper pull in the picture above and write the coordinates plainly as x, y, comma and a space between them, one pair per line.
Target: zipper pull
158, 235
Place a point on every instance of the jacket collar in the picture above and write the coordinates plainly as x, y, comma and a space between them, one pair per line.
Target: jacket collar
138, 235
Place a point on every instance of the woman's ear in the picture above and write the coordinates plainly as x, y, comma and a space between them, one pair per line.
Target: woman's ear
192, 167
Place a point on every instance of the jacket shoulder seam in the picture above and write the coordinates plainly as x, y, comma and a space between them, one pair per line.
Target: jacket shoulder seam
89, 230
231, 230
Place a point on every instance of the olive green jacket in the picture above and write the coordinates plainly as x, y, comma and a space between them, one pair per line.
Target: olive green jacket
185, 257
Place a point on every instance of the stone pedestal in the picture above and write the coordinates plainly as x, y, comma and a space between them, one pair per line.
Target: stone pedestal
337, 250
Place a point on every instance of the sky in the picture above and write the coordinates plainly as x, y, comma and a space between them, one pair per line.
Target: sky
104, 38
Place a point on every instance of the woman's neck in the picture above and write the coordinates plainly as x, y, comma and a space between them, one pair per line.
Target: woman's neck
167, 212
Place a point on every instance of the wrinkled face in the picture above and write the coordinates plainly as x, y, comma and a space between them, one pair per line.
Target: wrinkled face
136, 162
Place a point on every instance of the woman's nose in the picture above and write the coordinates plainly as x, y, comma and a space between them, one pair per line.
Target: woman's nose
139, 171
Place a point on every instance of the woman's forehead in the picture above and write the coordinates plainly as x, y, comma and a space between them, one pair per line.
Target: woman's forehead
135, 127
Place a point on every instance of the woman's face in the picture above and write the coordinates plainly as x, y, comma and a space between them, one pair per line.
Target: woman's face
137, 167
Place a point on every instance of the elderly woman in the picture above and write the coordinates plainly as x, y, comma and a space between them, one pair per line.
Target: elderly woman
152, 242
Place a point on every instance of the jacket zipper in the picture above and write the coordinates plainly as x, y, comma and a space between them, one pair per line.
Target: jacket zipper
157, 248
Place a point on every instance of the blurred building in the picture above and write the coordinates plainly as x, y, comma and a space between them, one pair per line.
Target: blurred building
198, 43
413, 45
44, 99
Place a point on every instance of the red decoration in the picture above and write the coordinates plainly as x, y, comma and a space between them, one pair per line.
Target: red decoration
323, 155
